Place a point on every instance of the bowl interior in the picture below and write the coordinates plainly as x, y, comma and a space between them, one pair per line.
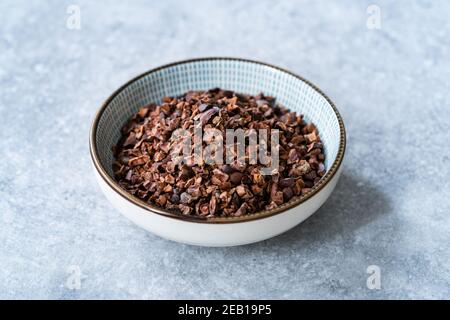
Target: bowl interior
232, 74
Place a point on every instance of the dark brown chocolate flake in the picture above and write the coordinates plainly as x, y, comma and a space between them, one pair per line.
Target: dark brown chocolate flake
236, 177
288, 193
287, 182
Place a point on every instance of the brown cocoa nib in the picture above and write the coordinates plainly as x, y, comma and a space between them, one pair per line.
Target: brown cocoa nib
145, 168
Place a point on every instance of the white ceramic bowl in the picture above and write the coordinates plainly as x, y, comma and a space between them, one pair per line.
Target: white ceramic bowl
238, 75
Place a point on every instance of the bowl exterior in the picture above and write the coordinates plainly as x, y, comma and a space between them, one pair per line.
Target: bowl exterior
217, 234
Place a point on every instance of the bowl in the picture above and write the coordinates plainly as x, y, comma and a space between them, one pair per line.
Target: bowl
240, 75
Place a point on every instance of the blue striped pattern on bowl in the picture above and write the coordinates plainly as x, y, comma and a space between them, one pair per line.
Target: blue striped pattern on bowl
232, 74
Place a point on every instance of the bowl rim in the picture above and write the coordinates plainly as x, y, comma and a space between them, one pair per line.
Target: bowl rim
221, 220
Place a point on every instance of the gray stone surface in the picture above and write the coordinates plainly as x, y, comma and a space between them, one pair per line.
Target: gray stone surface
390, 209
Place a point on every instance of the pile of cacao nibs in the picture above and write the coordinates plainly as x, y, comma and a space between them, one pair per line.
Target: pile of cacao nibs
144, 166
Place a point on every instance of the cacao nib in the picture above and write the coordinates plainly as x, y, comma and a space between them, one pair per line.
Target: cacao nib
144, 165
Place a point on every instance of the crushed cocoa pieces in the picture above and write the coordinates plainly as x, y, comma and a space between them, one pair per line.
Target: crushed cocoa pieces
144, 165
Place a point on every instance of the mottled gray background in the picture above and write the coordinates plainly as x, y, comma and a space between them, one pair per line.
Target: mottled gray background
390, 208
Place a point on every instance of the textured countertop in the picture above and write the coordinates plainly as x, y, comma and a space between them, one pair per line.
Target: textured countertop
390, 208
